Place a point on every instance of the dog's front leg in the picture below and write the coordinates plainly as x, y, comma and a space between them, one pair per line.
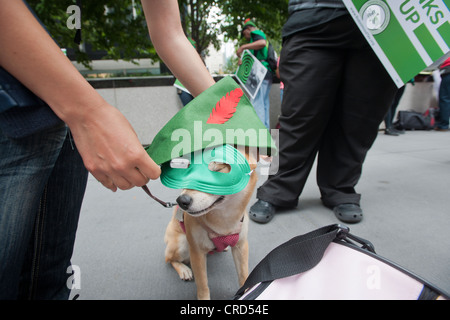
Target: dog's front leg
240, 257
198, 265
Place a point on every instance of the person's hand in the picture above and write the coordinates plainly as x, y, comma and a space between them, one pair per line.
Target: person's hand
111, 150
239, 51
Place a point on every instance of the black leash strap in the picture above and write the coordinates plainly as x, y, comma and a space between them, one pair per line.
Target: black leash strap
163, 203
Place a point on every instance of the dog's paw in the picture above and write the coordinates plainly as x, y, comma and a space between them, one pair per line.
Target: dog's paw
183, 270
185, 273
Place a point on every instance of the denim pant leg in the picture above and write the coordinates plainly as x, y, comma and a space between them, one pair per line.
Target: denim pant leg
42, 183
261, 103
267, 103
444, 102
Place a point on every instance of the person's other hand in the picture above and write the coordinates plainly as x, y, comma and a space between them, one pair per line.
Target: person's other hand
239, 51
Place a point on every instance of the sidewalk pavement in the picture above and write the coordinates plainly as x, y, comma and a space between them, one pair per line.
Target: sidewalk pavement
405, 190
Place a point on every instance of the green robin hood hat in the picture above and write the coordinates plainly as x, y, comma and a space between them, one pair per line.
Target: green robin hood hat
247, 23
220, 115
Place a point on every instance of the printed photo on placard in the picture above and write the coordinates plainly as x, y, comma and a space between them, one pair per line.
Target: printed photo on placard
251, 73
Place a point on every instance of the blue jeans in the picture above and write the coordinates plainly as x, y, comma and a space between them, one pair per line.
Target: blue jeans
444, 102
185, 97
261, 103
42, 184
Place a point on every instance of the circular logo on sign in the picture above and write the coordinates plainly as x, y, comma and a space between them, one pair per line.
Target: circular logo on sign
246, 67
375, 15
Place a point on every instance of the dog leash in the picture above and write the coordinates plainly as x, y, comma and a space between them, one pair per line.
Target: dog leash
163, 203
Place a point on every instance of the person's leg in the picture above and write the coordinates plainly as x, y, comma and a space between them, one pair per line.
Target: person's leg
185, 97
26, 172
366, 94
259, 103
307, 70
46, 274
444, 103
389, 118
25, 166
395, 103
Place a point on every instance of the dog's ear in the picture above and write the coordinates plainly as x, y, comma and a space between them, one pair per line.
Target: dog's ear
219, 167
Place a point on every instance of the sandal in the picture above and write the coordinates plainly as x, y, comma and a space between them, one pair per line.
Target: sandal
262, 211
348, 212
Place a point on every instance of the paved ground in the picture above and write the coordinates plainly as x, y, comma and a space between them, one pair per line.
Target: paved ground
405, 191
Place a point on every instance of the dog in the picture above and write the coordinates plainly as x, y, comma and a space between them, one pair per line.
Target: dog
206, 222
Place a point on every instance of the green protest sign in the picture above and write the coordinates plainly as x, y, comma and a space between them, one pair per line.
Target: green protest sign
408, 36
250, 73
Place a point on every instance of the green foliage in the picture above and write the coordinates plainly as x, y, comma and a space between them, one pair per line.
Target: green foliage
268, 15
119, 28
201, 23
106, 25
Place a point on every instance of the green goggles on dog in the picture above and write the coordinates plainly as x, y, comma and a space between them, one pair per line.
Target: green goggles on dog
194, 171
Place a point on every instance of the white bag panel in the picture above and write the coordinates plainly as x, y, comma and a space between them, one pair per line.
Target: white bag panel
344, 273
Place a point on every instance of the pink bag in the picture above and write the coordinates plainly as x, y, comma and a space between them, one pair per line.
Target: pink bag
328, 264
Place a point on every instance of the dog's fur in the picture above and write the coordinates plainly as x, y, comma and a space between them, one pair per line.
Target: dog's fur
210, 213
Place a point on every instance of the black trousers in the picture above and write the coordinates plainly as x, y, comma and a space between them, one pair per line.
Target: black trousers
336, 94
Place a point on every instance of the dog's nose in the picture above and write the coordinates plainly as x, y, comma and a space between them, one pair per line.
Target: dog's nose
184, 201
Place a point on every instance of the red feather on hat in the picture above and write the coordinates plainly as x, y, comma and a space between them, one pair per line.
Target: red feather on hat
225, 107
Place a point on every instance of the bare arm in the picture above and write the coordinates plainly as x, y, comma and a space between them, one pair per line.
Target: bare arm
257, 45
166, 33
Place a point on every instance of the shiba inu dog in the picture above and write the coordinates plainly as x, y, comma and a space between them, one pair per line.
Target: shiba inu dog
209, 149
204, 222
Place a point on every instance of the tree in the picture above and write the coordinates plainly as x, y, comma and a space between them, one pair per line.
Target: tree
201, 23
268, 15
116, 27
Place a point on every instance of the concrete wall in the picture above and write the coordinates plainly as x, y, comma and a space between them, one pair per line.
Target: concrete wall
147, 108
149, 103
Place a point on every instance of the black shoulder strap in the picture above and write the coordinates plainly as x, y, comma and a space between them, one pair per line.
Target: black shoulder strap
283, 261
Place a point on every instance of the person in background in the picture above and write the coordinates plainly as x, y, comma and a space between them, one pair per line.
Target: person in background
336, 93
389, 118
444, 97
258, 46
